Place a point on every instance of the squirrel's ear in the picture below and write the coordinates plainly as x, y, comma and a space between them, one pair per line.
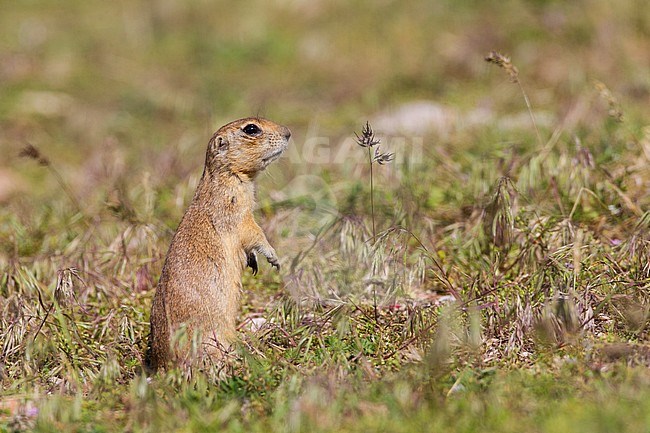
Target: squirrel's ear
218, 145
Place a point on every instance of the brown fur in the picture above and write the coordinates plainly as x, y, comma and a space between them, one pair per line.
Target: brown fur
201, 279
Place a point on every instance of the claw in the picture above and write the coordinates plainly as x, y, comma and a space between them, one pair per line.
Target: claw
251, 262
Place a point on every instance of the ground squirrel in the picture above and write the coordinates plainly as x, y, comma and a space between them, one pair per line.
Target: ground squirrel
217, 238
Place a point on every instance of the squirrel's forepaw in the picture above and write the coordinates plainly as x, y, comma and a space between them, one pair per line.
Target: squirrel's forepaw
270, 255
273, 260
251, 262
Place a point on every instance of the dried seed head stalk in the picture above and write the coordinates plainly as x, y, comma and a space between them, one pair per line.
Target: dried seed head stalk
504, 63
30, 151
615, 111
368, 140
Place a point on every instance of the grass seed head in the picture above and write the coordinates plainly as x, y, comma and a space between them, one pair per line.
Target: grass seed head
63, 292
504, 63
30, 151
367, 137
383, 158
614, 111
498, 223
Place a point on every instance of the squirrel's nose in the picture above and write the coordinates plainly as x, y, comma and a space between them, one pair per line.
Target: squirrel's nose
286, 132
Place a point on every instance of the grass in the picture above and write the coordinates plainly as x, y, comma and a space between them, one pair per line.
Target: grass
507, 283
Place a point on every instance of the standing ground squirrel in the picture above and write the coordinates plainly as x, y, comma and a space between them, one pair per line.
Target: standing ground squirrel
217, 238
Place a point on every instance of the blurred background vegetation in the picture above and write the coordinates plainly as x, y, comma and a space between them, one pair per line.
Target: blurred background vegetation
138, 86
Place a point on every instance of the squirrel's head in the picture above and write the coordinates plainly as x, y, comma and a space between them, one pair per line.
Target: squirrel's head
246, 146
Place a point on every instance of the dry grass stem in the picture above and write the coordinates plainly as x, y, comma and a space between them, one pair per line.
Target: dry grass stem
506, 64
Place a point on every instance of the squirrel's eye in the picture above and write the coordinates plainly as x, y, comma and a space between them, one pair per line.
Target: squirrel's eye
251, 129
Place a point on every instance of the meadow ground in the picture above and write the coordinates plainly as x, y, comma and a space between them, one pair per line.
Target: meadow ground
506, 286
